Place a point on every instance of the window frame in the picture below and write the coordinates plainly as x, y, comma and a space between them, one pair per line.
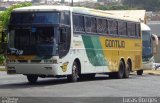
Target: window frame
120, 28
107, 20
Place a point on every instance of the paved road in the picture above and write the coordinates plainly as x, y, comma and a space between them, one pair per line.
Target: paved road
101, 86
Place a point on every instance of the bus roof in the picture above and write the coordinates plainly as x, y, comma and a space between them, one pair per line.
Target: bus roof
42, 8
80, 10
137, 14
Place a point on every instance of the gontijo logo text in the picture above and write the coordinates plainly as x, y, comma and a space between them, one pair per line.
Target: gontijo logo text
115, 43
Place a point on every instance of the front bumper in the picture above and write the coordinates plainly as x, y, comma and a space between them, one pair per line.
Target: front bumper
36, 69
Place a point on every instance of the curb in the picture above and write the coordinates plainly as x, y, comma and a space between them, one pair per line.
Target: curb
2, 68
152, 72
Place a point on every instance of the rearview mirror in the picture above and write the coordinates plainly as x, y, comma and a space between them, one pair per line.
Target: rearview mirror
155, 43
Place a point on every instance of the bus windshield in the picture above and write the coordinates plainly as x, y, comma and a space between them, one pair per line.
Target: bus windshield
147, 44
35, 41
34, 17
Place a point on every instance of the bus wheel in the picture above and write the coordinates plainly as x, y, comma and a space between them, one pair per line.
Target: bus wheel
139, 72
127, 70
91, 76
74, 76
120, 73
87, 76
113, 75
32, 78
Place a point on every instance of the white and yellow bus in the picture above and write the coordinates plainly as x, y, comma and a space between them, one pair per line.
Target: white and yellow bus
76, 42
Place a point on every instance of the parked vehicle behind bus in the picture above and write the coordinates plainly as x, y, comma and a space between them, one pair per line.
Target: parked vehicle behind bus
148, 49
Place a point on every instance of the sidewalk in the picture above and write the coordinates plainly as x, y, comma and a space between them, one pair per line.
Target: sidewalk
2, 68
152, 72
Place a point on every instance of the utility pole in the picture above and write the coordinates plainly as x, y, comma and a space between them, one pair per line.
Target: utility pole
46, 1
72, 3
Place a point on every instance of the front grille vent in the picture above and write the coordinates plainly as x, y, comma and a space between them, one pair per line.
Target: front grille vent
35, 61
23, 61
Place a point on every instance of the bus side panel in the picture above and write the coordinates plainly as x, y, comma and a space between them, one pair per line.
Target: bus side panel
116, 49
95, 54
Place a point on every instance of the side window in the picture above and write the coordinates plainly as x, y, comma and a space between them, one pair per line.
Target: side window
122, 28
64, 41
102, 26
138, 33
112, 27
65, 18
90, 24
78, 23
131, 28
93, 25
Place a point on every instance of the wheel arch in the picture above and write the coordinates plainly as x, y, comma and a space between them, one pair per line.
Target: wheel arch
77, 60
130, 61
122, 59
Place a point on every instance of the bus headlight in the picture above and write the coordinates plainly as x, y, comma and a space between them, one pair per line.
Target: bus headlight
11, 68
10, 61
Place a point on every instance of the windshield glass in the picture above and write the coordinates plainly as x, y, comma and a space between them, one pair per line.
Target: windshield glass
37, 40
147, 44
34, 17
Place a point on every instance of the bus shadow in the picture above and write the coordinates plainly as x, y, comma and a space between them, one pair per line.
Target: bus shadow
51, 82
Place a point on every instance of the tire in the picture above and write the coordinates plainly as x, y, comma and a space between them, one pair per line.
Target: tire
120, 73
87, 76
113, 75
32, 78
127, 70
75, 71
91, 76
139, 72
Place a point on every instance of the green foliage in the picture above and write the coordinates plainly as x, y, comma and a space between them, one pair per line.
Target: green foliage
150, 5
2, 59
113, 7
5, 16
1, 22
102, 7
4, 20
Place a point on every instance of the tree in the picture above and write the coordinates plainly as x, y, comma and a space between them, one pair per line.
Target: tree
150, 5
5, 16
113, 7
4, 20
1, 22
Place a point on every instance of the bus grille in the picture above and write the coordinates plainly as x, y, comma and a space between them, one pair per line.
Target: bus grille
35, 61
23, 61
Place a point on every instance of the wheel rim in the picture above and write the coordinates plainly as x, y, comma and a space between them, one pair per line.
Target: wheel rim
74, 72
140, 72
32, 78
121, 70
127, 71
